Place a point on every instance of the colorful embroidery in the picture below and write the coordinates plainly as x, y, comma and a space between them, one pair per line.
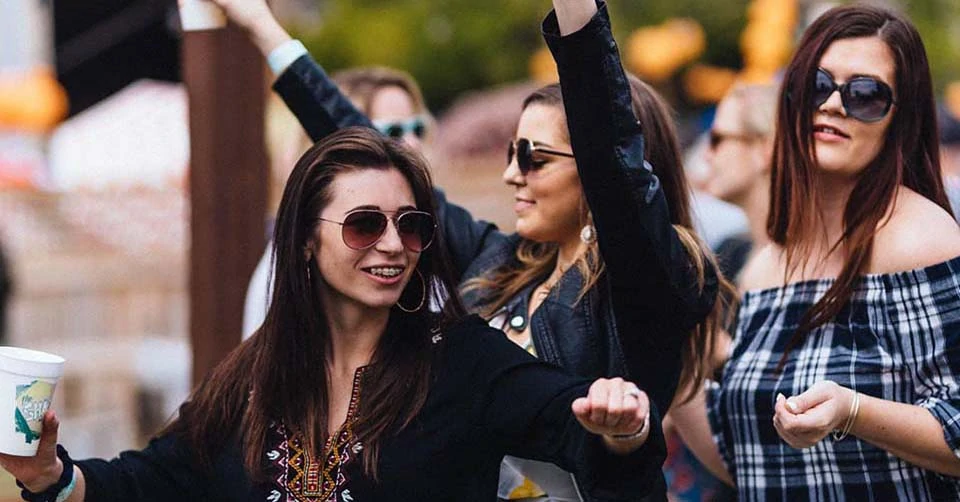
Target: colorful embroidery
322, 478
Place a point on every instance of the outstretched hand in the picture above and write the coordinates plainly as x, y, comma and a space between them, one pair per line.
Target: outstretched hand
39, 472
804, 420
613, 407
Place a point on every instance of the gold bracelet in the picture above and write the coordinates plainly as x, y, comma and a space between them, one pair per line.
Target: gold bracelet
839, 435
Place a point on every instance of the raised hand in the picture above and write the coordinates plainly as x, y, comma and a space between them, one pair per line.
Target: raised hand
255, 17
615, 409
804, 420
574, 14
39, 472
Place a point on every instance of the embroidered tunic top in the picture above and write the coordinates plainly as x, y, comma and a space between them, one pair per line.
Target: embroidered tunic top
488, 398
897, 339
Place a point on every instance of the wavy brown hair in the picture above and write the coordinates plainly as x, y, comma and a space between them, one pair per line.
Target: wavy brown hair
279, 375
909, 157
538, 259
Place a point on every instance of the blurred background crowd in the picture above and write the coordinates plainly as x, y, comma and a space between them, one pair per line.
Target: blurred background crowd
95, 153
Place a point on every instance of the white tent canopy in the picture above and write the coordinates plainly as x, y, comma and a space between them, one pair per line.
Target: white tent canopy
137, 137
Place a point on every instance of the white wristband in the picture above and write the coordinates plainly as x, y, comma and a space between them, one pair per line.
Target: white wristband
284, 55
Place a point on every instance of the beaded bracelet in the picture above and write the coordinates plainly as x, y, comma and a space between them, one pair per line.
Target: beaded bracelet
59, 491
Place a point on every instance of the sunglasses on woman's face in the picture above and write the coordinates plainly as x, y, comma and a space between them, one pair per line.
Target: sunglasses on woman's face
524, 149
363, 228
399, 128
864, 98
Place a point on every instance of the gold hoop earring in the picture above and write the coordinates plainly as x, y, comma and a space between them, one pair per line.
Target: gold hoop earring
423, 295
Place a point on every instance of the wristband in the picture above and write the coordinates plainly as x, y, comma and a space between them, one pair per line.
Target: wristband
59, 491
284, 55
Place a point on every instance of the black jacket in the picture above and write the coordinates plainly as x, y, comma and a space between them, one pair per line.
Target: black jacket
635, 320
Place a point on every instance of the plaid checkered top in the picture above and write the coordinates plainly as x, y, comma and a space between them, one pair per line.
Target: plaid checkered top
897, 339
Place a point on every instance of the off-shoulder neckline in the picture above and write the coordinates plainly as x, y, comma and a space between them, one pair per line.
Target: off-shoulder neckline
868, 280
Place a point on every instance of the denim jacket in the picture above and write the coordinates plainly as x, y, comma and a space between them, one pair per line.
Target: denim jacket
635, 320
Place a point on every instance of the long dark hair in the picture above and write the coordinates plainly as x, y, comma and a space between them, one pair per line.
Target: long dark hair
279, 374
909, 157
538, 259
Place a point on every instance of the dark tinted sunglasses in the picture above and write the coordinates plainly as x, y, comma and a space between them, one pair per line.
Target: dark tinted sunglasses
864, 98
365, 227
524, 149
399, 128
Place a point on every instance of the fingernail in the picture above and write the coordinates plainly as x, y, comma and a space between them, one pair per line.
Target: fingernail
792, 405
780, 397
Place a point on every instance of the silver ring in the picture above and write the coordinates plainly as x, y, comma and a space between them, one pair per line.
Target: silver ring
633, 391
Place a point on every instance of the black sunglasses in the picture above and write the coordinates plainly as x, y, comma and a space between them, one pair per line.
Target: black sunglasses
864, 98
399, 128
365, 227
524, 149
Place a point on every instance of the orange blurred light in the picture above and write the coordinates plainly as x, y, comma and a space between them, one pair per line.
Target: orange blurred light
32, 101
708, 84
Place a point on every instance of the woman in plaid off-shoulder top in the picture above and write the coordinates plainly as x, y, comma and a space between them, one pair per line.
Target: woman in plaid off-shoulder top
843, 382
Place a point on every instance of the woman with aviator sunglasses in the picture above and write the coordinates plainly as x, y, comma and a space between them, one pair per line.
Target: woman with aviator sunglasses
393, 101
844, 378
563, 287
604, 275
345, 395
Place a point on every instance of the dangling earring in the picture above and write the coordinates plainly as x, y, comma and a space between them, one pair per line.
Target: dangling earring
588, 234
423, 295
307, 264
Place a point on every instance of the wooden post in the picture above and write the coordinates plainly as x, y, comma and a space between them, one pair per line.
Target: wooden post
223, 74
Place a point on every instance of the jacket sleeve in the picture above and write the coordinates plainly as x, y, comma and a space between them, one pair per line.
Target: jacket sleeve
163, 471
464, 236
322, 109
315, 100
526, 403
652, 277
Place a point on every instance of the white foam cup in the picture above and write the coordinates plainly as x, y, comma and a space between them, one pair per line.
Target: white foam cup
27, 381
196, 15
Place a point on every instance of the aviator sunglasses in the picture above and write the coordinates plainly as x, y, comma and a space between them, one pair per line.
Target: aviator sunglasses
864, 98
524, 149
399, 128
365, 227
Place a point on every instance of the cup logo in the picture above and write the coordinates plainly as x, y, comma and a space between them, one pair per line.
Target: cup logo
33, 400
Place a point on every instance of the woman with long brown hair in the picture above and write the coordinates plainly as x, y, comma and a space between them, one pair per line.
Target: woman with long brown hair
352, 390
605, 275
852, 309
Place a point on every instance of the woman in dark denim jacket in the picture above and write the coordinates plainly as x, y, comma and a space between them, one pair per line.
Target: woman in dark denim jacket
605, 275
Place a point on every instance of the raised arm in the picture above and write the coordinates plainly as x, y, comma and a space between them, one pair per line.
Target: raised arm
650, 270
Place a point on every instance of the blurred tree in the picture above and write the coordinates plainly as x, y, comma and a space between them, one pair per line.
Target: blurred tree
451, 46
448, 45
939, 24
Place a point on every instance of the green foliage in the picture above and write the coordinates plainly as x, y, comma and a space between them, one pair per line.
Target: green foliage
451, 46
939, 24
